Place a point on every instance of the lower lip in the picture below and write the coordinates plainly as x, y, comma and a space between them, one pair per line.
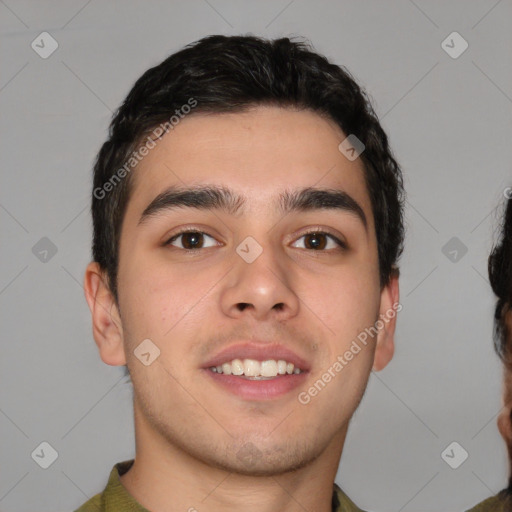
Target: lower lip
258, 389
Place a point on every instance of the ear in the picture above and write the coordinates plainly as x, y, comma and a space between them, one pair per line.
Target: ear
106, 321
505, 427
504, 420
504, 424
389, 308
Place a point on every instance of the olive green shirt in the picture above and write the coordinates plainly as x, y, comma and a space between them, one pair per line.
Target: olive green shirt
498, 503
115, 497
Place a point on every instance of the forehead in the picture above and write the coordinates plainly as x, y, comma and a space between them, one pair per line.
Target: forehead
259, 153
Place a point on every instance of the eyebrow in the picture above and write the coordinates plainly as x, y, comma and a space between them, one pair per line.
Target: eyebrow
214, 197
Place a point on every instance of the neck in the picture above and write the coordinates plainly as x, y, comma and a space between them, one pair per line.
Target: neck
165, 477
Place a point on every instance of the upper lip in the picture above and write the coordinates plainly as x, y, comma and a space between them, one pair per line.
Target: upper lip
260, 351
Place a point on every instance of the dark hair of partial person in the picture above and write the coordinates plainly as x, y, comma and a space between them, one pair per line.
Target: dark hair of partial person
232, 74
500, 277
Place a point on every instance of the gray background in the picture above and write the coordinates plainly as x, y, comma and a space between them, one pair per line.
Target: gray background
449, 122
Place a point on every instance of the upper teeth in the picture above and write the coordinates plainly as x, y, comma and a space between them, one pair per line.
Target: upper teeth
254, 368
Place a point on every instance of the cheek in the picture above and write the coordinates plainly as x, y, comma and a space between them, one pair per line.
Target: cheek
146, 297
165, 304
346, 301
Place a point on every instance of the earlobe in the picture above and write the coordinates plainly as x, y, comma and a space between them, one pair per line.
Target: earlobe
505, 427
383, 353
106, 322
504, 424
389, 308
504, 420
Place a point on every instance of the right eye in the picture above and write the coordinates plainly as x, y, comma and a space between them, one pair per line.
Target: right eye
190, 240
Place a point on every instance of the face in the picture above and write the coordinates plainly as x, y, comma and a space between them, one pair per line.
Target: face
274, 280
504, 420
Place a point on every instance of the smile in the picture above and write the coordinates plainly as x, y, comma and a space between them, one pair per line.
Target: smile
254, 369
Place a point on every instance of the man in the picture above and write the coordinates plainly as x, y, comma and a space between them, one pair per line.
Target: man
247, 218
500, 276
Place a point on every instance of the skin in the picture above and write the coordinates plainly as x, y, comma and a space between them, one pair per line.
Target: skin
504, 418
190, 431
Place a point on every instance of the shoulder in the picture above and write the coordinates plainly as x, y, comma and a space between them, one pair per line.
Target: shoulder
114, 496
342, 503
502, 502
92, 505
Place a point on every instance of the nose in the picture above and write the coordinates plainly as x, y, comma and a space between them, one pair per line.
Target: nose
262, 289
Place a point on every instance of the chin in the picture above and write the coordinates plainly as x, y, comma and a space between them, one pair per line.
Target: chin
253, 460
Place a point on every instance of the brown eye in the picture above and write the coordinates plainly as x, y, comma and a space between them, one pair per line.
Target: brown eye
315, 241
319, 241
191, 240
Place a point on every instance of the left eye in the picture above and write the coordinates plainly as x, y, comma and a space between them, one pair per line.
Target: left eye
191, 240
319, 240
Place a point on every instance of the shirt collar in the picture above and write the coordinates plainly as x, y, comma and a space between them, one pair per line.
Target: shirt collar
116, 497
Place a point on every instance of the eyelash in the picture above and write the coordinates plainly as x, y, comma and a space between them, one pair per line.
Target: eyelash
316, 231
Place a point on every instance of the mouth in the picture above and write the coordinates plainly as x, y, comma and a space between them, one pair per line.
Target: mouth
257, 371
253, 369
